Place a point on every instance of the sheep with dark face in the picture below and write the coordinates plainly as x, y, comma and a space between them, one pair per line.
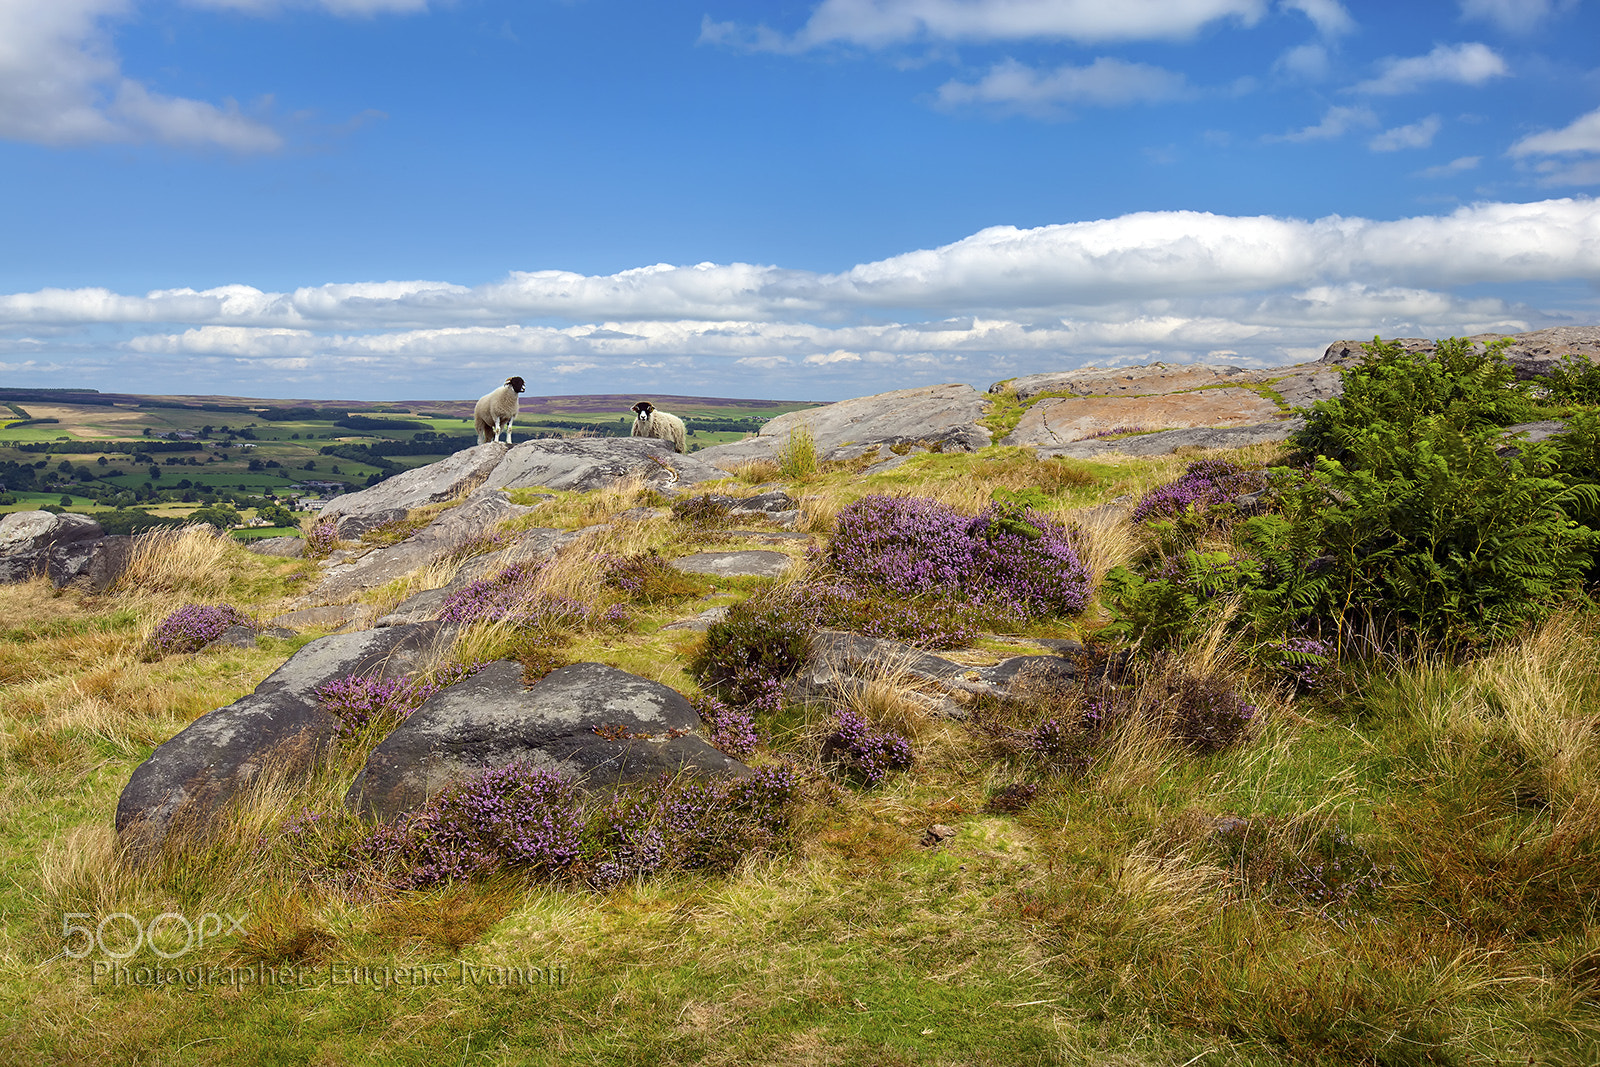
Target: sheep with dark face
496, 411
650, 421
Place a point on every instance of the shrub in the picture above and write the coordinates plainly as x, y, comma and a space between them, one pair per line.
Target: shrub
733, 730
1005, 556
1454, 387
1205, 484
647, 578
359, 701
754, 649
194, 626
865, 753
536, 821
321, 538
1574, 380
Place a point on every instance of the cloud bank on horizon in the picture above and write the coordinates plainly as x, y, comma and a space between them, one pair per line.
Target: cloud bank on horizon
1222, 180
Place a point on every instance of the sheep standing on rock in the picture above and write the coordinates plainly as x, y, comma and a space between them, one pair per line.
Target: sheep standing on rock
496, 411
650, 422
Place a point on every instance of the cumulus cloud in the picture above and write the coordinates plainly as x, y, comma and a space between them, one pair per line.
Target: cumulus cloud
1335, 124
1417, 135
1465, 64
1170, 284
1329, 16
61, 80
1106, 82
881, 23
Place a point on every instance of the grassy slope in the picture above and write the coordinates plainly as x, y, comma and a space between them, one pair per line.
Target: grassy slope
1102, 924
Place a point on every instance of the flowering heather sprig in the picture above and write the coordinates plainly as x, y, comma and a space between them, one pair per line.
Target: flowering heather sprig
1305, 661
868, 752
194, 626
536, 820
507, 816
357, 701
733, 730
1204, 484
497, 596
914, 546
320, 539
1207, 715
1115, 431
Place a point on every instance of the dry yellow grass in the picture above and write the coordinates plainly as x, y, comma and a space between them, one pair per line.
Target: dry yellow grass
191, 559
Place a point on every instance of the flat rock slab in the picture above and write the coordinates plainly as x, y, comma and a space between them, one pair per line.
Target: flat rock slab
751, 563
279, 726
596, 722
286, 547
322, 617
699, 623
584, 463
839, 664
1167, 442
392, 498
946, 414
477, 517
1056, 421
1155, 379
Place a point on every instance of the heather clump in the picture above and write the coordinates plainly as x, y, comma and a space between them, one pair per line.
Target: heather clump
358, 702
761, 643
733, 729
1004, 556
646, 578
537, 822
863, 752
1204, 485
193, 626
321, 538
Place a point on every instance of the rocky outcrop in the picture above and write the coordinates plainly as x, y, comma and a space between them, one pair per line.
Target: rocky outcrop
942, 415
584, 463
1053, 421
753, 563
279, 726
65, 548
1533, 354
393, 498
1150, 380
604, 725
476, 518
1169, 441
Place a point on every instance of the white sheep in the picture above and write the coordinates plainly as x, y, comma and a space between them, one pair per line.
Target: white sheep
650, 422
496, 411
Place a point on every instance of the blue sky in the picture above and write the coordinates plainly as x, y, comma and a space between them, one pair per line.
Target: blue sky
386, 199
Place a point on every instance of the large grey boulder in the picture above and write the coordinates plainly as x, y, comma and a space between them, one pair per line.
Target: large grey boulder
1152, 380
65, 548
583, 463
392, 498
277, 727
942, 415
589, 720
475, 518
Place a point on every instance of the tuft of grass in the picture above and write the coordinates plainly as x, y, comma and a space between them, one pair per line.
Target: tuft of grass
189, 559
797, 458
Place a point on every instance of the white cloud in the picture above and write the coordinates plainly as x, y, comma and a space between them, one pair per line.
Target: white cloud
1106, 82
61, 81
1336, 123
1309, 61
1514, 16
1329, 16
1582, 135
1173, 285
1417, 135
1466, 64
880, 23
1452, 168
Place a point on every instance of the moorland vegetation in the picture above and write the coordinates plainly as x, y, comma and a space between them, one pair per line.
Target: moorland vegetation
1322, 787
